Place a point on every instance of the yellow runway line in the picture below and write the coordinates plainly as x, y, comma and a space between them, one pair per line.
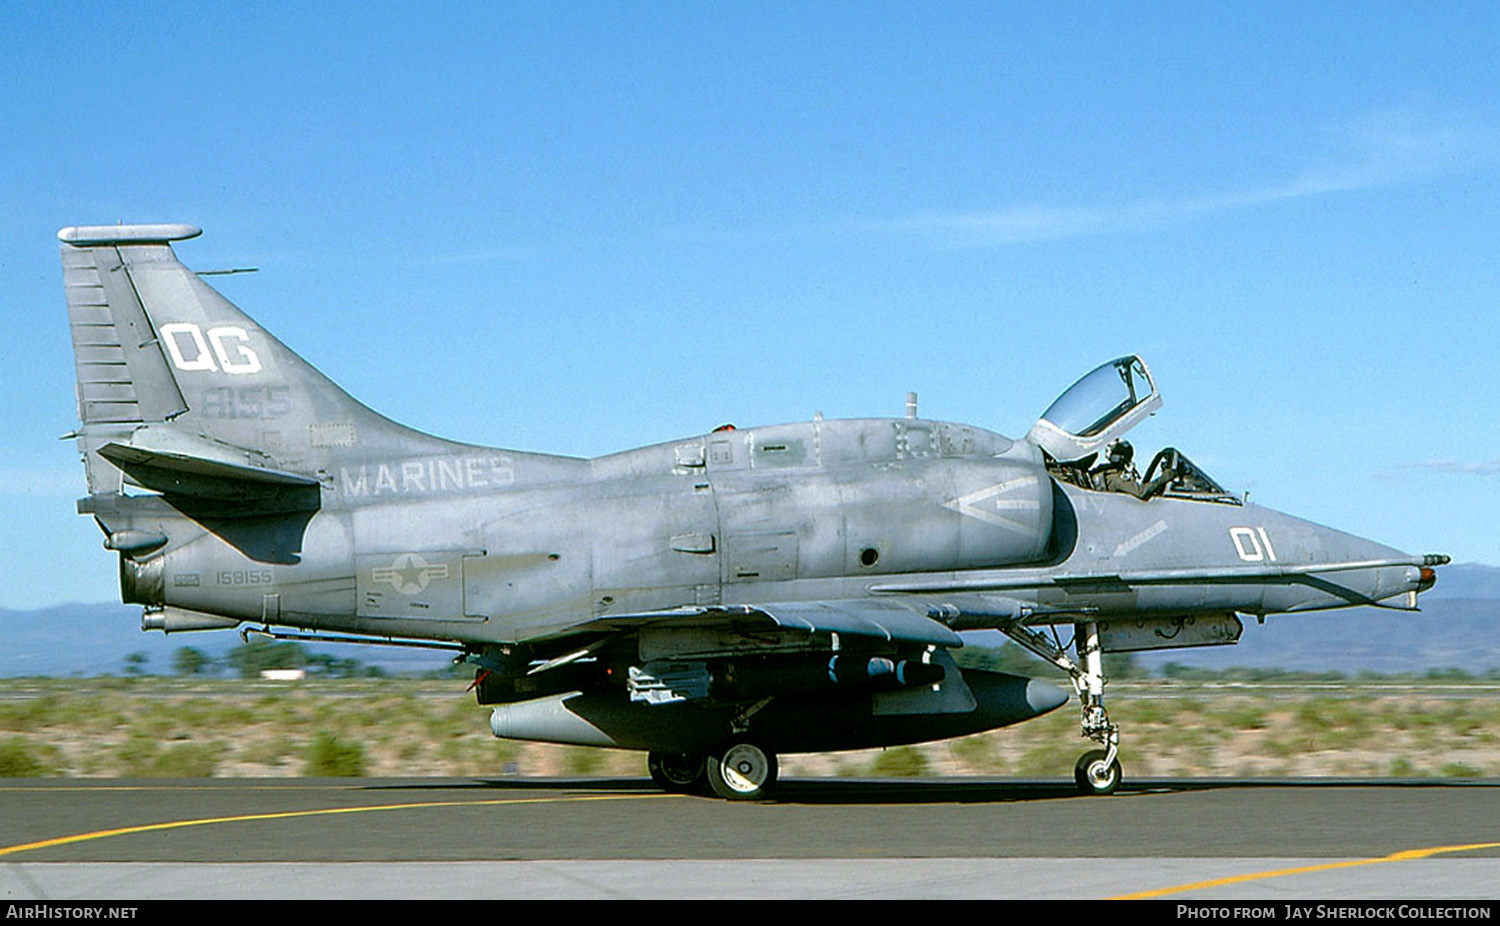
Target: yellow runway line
290, 814
1405, 856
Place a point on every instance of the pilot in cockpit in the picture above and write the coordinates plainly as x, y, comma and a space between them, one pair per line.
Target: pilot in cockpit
1118, 473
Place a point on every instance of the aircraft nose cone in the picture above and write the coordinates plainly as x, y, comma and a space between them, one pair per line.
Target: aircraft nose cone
1043, 696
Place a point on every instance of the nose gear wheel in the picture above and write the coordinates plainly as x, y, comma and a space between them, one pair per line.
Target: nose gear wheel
1097, 773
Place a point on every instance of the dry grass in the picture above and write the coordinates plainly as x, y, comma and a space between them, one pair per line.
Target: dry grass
164, 728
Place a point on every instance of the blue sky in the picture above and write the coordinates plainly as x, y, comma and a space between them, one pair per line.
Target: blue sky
582, 227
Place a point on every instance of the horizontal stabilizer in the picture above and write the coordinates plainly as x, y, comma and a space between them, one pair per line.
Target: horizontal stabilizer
179, 464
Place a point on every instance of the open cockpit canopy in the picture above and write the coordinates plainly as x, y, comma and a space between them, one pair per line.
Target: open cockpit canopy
1078, 430
1097, 409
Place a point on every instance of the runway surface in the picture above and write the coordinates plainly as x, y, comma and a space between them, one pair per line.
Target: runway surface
528, 838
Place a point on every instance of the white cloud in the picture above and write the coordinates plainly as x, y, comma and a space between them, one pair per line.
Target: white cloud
1405, 472
1490, 468
1383, 148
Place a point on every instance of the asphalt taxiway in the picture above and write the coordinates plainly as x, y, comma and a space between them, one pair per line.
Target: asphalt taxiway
552, 838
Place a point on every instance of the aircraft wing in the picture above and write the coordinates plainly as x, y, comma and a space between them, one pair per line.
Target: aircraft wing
926, 611
892, 619
1260, 573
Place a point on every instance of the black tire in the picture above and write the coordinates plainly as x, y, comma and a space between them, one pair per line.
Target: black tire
742, 770
1092, 776
676, 772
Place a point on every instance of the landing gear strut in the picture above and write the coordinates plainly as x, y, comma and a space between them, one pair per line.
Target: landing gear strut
1098, 770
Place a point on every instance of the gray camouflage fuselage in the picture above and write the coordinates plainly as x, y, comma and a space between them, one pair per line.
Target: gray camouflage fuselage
494, 546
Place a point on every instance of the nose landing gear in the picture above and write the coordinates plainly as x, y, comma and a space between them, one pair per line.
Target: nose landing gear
1098, 770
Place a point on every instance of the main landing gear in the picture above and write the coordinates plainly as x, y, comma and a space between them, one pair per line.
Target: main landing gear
677, 772
1098, 770
739, 770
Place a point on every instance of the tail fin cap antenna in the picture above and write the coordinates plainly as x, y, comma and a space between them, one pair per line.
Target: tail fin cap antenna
83, 236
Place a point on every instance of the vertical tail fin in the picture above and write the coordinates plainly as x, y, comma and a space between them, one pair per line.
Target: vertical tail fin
178, 387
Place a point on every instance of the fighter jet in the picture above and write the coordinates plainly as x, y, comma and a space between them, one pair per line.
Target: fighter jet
713, 601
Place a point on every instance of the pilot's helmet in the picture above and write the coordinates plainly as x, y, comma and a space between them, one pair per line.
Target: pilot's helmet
1121, 452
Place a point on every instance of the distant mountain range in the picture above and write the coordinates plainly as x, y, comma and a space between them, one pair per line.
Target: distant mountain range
95, 639
1458, 627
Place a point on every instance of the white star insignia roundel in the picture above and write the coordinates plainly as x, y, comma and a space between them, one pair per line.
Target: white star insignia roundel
409, 573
